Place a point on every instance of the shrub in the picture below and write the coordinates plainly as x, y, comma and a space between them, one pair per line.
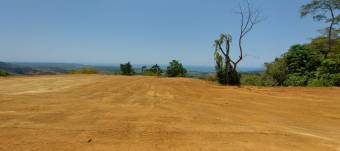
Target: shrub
155, 70
126, 69
72, 72
88, 71
318, 83
211, 77
251, 79
268, 81
336, 79
3, 73
175, 69
296, 80
150, 73
325, 80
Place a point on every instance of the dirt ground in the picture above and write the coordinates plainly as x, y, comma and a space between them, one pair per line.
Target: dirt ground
117, 113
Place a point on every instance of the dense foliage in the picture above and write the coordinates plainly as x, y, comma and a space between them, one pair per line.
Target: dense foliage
126, 69
176, 69
303, 65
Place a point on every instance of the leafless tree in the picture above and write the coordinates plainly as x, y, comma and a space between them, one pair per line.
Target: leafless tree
249, 18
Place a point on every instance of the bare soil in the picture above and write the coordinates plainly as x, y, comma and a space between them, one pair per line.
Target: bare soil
117, 113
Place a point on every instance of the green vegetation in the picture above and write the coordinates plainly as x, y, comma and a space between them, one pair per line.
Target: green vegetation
313, 64
87, 70
226, 72
176, 69
126, 69
302, 65
3, 73
155, 70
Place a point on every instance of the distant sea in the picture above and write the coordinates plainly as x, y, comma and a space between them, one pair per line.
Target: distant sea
190, 68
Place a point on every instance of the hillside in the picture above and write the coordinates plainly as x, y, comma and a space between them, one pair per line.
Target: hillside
117, 113
27, 69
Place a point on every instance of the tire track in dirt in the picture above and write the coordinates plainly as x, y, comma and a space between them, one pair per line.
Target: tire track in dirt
150, 113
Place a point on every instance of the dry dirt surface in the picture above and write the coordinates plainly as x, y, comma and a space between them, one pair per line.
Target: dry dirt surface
117, 113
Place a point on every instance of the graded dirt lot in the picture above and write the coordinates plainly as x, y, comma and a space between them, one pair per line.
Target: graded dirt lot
116, 113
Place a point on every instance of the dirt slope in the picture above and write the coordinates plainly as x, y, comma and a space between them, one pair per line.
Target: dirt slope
115, 113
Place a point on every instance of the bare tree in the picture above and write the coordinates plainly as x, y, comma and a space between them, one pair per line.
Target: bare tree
249, 18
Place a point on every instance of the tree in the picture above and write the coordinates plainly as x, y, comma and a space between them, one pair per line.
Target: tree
323, 10
301, 60
175, 69
277, 71
155, 70
126, 69
305, 65
226, 67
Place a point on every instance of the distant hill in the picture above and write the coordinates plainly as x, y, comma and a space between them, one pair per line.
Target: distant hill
37, 68
42, 65
41, 68
19, 69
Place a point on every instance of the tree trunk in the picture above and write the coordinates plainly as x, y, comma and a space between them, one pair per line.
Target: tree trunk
330, 33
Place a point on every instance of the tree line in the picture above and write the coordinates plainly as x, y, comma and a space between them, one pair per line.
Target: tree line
316, 63
174, 69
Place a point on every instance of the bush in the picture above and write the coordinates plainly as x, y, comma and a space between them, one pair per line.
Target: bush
155, 70
3, 73
251, 79
336, 79
325, 80
318, 83
84, 71
176, 69
296, 80
126, 69
211, 77
150, 73
268, 81
88, 71
72, 72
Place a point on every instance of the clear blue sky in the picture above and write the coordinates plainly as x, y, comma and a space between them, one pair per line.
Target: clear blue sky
144, 31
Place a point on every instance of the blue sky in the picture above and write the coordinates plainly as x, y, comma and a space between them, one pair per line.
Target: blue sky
144, 31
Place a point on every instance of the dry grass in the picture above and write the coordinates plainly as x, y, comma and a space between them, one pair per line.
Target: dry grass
116, 113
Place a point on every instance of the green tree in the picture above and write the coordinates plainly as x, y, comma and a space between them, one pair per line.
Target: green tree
306, 65
324, 10
276, 71
301, 60
175, 69
126, 69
